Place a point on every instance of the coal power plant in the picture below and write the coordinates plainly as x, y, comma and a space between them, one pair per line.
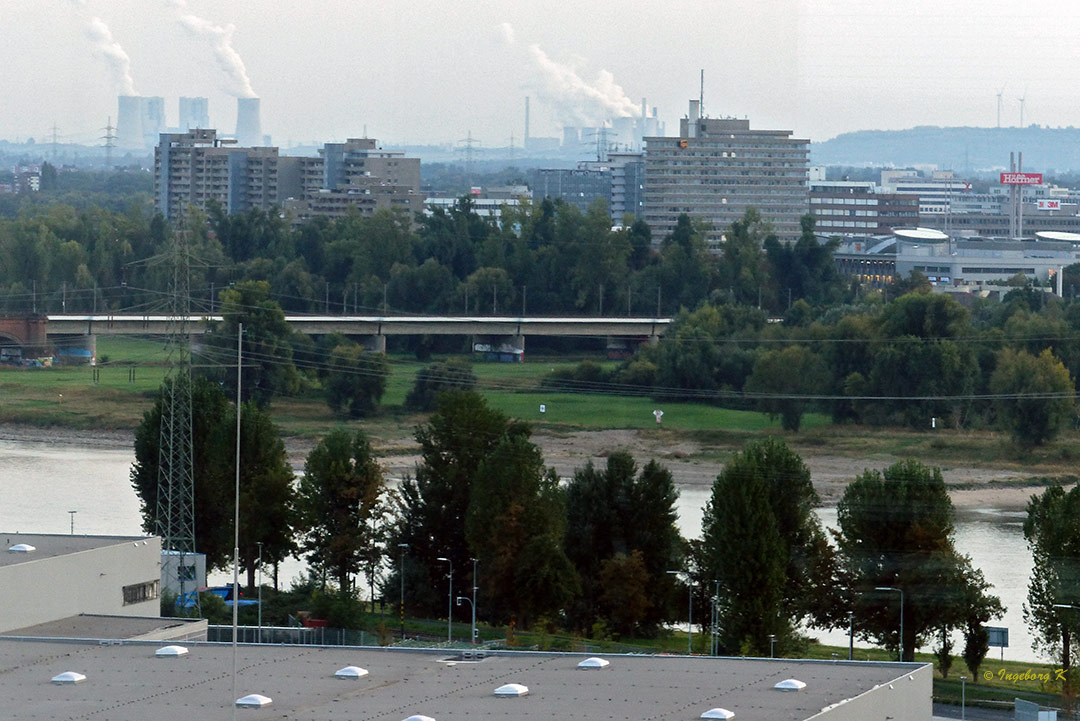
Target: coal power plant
140, 120
248, 125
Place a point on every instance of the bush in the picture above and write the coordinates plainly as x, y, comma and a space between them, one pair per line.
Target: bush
438, 378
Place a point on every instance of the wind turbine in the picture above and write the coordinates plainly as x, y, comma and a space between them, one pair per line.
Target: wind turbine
1022, 99
999, 94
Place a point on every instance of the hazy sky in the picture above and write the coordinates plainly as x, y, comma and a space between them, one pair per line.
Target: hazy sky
434, 71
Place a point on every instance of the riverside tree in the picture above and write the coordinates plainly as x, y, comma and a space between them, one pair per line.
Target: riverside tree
622, 523
1038, 395
433, 505
763, 545
338, 503
1052, 530
896, 532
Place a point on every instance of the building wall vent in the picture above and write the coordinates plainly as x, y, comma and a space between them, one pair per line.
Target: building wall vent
21, 548
171, 652
791, 684
593, 662
512, 690
253, 700
68, 677
351, 672
720, 713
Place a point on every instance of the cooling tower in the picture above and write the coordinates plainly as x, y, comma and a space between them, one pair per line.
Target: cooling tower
248, 127
194, 113
129, 132
153, 120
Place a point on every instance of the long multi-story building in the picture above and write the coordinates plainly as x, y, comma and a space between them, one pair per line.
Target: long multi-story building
719, 167
195, 167
856, 208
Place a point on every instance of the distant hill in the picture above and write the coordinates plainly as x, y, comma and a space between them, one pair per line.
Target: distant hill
1045, 149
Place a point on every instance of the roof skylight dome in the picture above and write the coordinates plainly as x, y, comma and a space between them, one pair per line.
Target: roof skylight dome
351, 672
720, 713
594, 662
254, 700
68, 677
171, 652
511, 690
418, 717
791, 684
21, 548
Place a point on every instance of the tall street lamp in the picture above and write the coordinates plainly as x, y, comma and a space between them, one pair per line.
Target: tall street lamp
449, 603
690, 611
901, 592
401, 573
851, 636
258, 563
475, 640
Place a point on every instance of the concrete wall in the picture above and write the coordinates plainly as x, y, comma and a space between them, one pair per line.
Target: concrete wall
45, 589
908, 698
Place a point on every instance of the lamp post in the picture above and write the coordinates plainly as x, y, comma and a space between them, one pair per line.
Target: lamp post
473, 605
963, 698
258, 564
772, 644
851, 636
689, 613
901, 592
475, 640
401, 573
72, 515
449, 603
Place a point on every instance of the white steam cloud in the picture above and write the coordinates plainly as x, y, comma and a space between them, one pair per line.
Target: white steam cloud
219, 38
577, 101
116, 59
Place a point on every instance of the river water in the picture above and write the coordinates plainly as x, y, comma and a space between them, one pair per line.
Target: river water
41, 482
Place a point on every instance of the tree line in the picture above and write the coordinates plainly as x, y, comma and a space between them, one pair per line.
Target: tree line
598, 553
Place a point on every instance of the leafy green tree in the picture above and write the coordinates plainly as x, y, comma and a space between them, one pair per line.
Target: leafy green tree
212, 443
1052, 531
976, 646
355, 380
804, 270
763, 543
515, 523
438, 378
338, 503
783, 376
266, 491
744, 270
1038, 394
454, 442
625, 600
614, 513
943, 654
896, 531
267, 351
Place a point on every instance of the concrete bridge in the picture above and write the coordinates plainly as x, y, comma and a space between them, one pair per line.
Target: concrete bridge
491, 331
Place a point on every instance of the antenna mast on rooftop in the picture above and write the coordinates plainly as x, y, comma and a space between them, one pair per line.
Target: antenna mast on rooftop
701, 96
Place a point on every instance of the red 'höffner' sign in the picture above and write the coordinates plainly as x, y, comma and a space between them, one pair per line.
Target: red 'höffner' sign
1021, 178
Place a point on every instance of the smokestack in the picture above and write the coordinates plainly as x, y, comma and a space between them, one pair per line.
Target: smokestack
526, 142
194, 113
129, 132
643, 114
248, 127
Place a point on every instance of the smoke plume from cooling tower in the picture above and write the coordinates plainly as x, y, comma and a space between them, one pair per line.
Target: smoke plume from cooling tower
219, 38
116, 59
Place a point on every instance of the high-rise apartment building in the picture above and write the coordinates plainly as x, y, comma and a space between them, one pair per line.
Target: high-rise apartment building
719, 167
194, 167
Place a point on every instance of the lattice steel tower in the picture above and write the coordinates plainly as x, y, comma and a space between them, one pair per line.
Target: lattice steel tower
176, 480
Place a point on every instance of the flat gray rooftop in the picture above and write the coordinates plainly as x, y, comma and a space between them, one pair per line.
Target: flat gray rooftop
127, 682
48, 545
99, 626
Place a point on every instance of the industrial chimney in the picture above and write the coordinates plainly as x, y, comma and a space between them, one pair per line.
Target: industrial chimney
194, 113
248, 127
129, 132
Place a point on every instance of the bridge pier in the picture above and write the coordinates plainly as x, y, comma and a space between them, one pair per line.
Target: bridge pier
374, 344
